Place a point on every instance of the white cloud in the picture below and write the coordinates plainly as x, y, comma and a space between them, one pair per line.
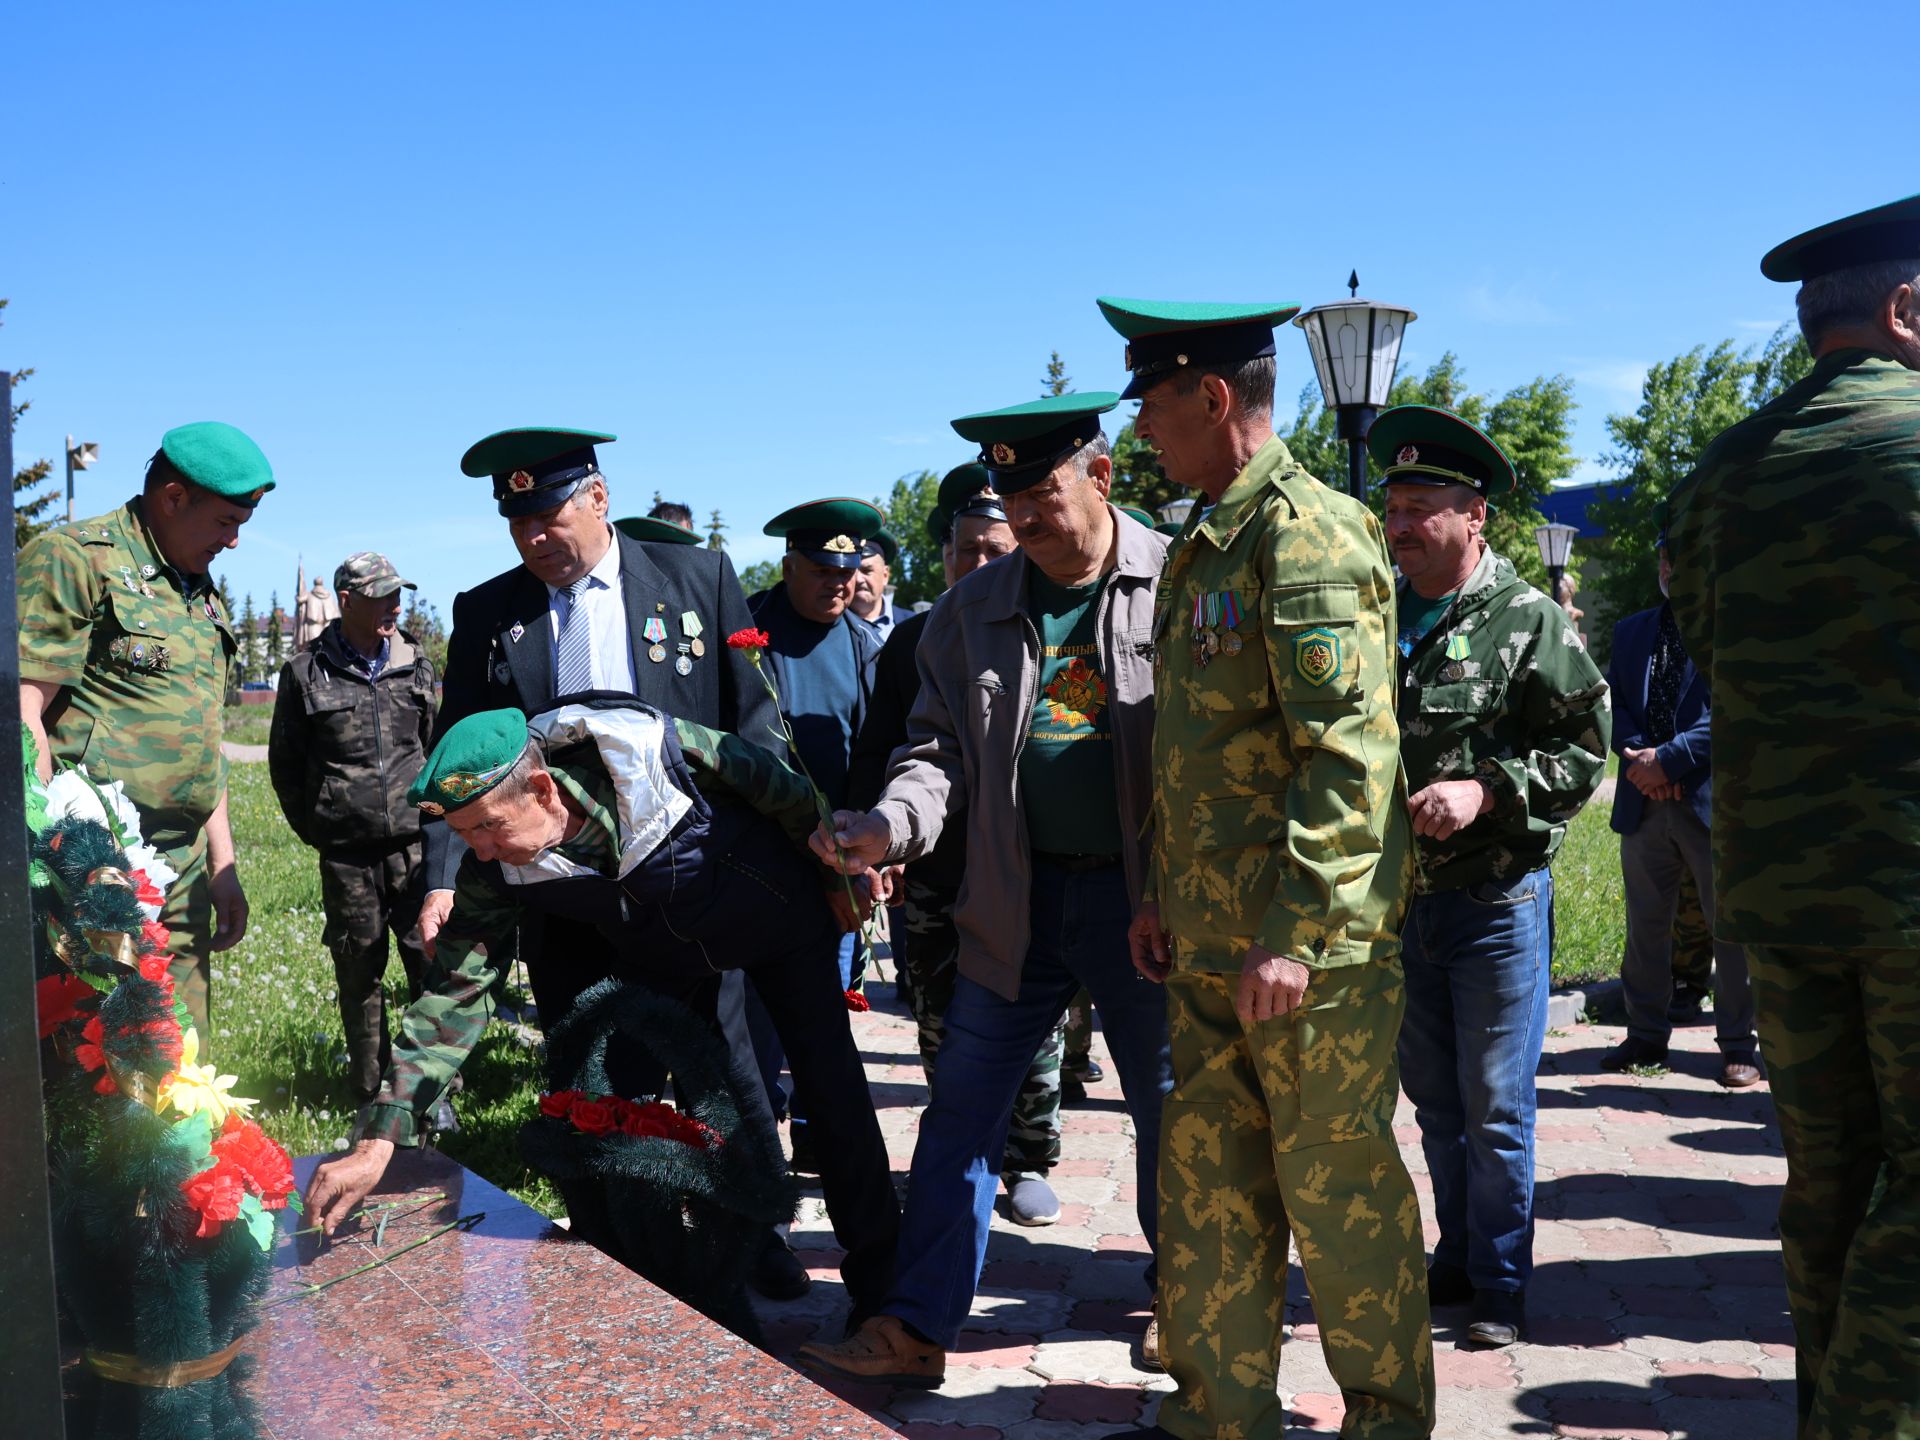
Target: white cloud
1613, 377
1515, 304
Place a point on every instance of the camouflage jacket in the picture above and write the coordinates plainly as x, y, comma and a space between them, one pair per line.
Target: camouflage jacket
141, 654
1795, 582
1276, 755
1502, 691
440, 1029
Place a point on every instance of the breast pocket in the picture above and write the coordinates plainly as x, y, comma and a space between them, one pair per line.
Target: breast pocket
138, 636
1317, 658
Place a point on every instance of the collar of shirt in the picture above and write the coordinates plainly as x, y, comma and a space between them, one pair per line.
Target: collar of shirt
373, 664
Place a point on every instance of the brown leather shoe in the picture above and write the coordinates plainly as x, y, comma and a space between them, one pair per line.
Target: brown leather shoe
1738, 1073
1150, 1346
882, 1349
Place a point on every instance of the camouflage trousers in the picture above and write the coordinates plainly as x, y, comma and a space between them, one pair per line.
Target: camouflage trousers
1079, 1032
932, 948
1288, 1128
365, 897
188, 916
1692, 939
1840, 1031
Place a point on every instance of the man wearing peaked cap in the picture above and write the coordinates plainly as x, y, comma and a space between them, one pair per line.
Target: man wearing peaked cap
590, 608
872, 601
1797, 593
821, 656
351, 724
125, 650
1061, 727
1280, 870
1504, 727
685, 849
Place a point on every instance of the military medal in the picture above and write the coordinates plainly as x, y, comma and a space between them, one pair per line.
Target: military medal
683, 662
656, 632
691, 627
656, 653
1457, 652
1200, 652
1452, 671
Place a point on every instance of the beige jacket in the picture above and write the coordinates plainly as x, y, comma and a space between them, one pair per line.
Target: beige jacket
979, 665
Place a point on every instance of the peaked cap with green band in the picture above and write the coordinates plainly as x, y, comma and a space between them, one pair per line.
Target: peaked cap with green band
661, 532
828, 532
880, 543
1886, 232
1425, 445
966, 490
1165, 335
535, 468
475, 755
1134, 512
1020, 445
219, 458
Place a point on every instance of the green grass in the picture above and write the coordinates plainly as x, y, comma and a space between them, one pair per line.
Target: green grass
246, 724
1589, 900
276, 1016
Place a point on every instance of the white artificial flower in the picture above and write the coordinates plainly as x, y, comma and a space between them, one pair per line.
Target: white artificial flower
74, 793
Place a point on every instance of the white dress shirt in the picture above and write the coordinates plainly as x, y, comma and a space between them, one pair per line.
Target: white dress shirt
606, 611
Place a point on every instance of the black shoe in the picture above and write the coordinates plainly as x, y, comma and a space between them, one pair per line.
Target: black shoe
1688, 1006
1073, 1090
1633, 1051
1447, 1284
1499, 1317
1084, 1068
804, 1161
777, 1272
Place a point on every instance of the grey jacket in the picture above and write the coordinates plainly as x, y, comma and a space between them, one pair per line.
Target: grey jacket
979, 664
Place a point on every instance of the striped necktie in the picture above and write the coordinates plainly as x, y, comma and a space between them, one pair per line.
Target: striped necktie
573, 654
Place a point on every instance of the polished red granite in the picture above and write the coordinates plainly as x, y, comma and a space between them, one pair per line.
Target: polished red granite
511, 1329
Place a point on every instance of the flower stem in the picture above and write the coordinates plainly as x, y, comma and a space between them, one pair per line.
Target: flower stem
465, 1222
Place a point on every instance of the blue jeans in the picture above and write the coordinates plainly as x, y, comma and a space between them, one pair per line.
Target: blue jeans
1477, 966
1079, 938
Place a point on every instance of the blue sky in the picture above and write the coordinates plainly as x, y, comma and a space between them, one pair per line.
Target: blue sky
775, 249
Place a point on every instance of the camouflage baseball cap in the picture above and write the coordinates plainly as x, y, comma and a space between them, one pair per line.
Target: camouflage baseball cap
371, 574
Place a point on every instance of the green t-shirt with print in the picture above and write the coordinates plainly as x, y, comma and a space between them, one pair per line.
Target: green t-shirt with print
1066, 766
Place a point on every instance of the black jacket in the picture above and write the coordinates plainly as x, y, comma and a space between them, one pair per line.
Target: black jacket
501, 653
343, 751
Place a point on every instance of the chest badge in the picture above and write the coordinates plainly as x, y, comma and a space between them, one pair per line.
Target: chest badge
1316, 657
517, 631
1458, 648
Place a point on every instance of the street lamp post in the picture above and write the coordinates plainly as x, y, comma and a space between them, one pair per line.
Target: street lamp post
1356, 347
79, 457
1556, 548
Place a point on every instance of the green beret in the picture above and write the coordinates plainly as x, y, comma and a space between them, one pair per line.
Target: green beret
471, 758
219, 458
1020, 445
651, 527
1425, 445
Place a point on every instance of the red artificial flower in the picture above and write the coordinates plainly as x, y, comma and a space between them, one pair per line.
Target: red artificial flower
556, 1105
264, 1168
157, 966
91, 1052
155, 936
858, 1003
144, 890
752, 641
215, 1195
644, 1122
58, 999
593, 1117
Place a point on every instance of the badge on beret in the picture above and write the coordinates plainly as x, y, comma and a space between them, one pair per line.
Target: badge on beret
519, 482
1409, 455
432, 807
1002, 453
1316, 657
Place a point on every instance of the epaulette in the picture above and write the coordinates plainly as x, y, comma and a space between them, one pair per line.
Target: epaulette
90, 533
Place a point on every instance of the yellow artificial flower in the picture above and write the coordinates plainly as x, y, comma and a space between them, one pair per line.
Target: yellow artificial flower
193, 1087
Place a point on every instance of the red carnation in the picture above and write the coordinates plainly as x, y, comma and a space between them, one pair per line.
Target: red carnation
215, 1195
262, 1165
144, 890
752, 641
91, 1052
154, 935
556, 1105
157, 966
857, 1002
58, 999
594, 1117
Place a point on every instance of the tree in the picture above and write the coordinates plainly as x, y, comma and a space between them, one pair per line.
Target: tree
761, 575
422, 621
1532, 423
1056, 381
917, 571
716, 532
29, 509
276, 634
1684, 403
1137, 476
248, 659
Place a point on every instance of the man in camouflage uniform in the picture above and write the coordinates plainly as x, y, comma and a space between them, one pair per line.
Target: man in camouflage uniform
684, 847
1504, 724
350, 731
125, 650
1281, 868
971, 527
1798, 595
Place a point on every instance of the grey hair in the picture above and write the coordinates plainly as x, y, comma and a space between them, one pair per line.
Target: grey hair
1852, 296
1090, 452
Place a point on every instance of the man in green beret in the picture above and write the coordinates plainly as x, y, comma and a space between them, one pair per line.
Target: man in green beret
1281, 865
1504, 725
1798, 595
124, 654
684, 848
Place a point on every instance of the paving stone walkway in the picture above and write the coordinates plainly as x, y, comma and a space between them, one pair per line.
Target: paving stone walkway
1658, 1308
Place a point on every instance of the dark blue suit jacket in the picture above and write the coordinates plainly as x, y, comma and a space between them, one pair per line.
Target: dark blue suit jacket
1688, 756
